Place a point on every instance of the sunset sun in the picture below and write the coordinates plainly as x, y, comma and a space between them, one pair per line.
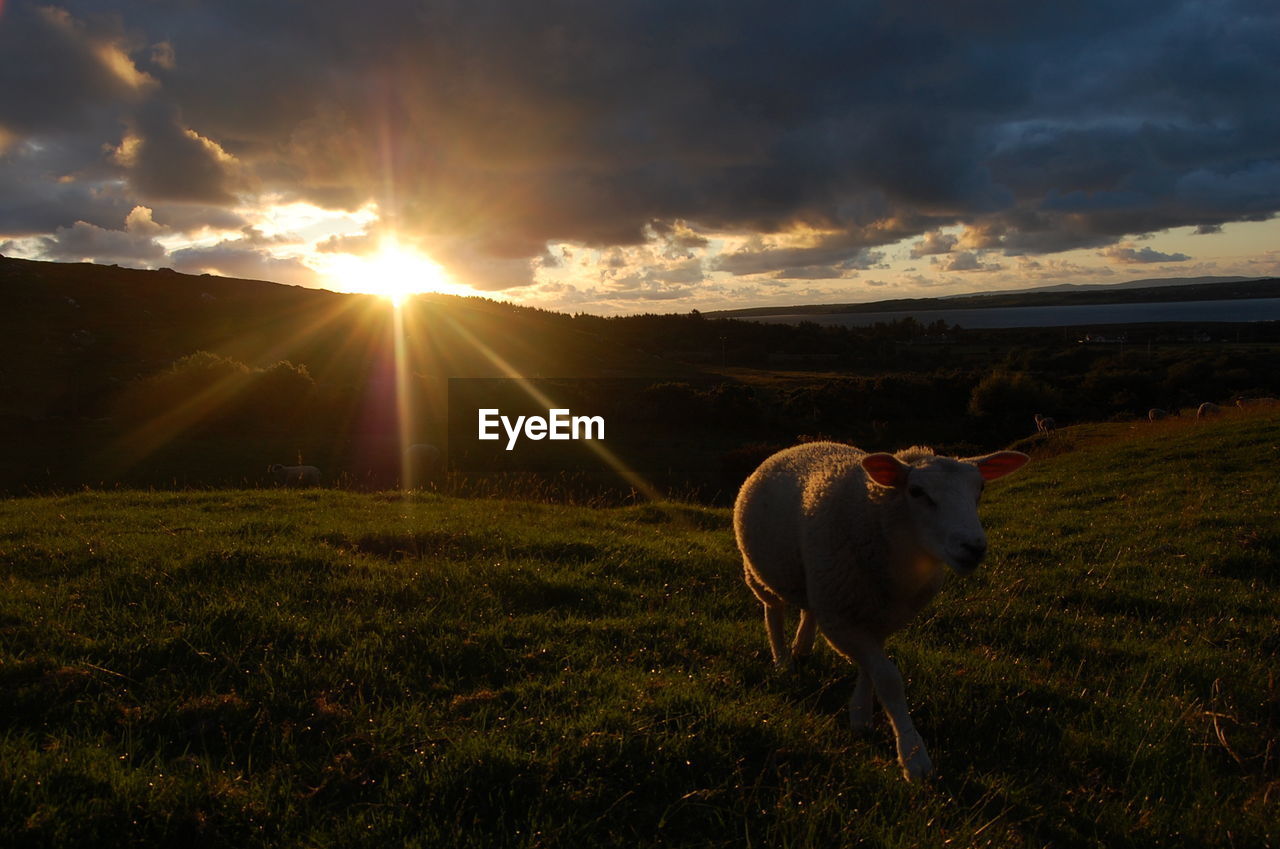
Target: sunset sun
395, 272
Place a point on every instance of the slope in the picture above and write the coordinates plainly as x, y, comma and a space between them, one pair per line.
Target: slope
327, 668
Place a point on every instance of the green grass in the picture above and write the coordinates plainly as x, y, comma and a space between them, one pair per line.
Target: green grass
329, 669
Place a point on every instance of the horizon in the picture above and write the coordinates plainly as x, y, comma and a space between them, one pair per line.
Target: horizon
399, 298
612, 160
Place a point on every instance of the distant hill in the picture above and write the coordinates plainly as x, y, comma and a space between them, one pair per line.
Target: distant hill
1144, 283
1134, 291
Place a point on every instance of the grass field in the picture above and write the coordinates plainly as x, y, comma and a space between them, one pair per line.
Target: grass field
331, 669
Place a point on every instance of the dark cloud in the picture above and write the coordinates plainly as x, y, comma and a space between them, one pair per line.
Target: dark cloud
489, 127
166, 161
191, 218
839, 250
933, 243
56, 182
63, 71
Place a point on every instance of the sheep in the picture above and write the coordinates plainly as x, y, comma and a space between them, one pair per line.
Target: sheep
1044, 424
1245, 403
1207, 409
858, 542
294, 475
421, 462
1155, 414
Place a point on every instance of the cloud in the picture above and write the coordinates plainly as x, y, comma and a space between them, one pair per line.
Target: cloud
933, 243
679, 241
1050, 268
1130, 255
242, 258
83, 242
360, 244
490, 129
60, 72
814, 272
793, 254
470, 263
166, 161
965, 261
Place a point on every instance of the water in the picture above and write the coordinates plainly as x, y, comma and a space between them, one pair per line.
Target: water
1250, 309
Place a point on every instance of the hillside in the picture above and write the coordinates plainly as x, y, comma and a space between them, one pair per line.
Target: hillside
70, 333
326, 668
115, 377
84, 349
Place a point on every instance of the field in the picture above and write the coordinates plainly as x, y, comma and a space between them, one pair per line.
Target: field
337, 669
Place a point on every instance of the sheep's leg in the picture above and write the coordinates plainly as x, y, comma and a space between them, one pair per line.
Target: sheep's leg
862, 705
773, 614
887, 681
802, 645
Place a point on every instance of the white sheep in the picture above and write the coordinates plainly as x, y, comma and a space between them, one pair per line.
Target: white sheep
1245, 403
1207, 409
1044, 424
294, 475
858, 543
421, 463
1156, 414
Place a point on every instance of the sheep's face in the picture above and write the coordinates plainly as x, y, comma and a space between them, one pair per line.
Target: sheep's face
941, 497
942, 501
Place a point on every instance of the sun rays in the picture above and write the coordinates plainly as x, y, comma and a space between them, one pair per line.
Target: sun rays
380, 368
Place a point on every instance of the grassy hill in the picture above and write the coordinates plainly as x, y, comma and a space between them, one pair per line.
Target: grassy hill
325, 668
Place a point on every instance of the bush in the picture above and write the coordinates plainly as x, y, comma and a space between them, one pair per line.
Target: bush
208, 394
1008, 401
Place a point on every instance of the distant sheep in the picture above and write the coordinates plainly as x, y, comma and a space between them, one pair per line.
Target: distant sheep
1156, 414
421, 463
858, 543
1207, 409
1246, 403
1044, 424
294, 475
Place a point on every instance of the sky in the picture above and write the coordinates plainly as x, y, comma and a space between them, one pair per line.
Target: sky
626, 156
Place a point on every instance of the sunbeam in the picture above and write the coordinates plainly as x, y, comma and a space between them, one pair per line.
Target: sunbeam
612, 460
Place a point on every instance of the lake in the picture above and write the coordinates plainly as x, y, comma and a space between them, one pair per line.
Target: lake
1250, 309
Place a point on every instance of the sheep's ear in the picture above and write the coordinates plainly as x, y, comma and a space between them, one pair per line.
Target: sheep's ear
999, 464
885, 469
